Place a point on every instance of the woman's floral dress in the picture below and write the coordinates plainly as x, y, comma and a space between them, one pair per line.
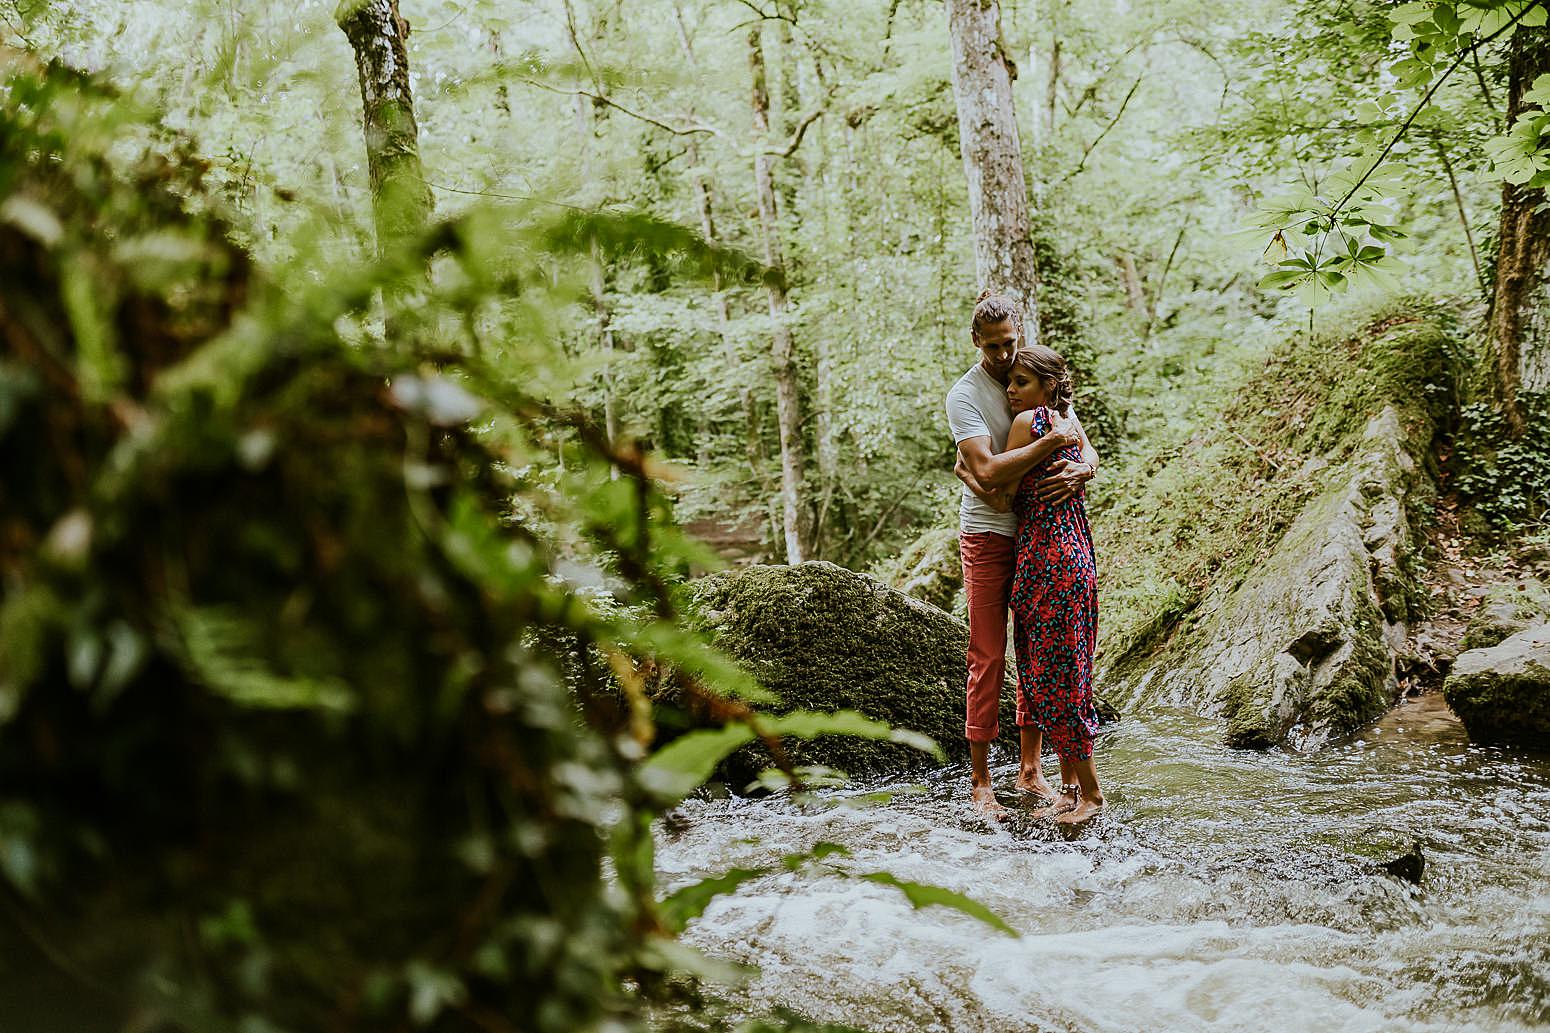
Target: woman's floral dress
1055, 609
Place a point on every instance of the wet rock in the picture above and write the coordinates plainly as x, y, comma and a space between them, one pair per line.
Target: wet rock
1304, 648
1502, 692
825, 638
1410, 865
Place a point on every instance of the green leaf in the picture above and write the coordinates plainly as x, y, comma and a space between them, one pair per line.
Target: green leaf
1409, 14
680, 767
807, 724
688, 903
1281, 279
821, 849
921, 895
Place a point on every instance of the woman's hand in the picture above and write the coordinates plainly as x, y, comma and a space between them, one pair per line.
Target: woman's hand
999, 500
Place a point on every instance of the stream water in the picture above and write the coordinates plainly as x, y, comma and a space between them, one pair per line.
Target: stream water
1223, 890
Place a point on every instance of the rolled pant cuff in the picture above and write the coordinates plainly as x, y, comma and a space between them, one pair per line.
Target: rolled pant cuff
978, 733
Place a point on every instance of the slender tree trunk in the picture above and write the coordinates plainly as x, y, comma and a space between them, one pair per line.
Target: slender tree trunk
992, 155
1052, 90
705, 205
788, 398
401, 201
1519, 348
1458, 202
1135, 294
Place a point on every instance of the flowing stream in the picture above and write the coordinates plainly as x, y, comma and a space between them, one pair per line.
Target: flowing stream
1223, 890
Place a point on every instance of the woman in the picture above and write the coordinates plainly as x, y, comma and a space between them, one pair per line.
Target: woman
1054, 591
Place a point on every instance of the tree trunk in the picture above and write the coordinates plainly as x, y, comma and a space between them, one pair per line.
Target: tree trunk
788, 399
705, 204
400, 200
1518, 353
1135, 294
992, 155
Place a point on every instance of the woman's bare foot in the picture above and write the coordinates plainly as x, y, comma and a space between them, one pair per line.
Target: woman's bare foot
986, 805
1083, 810
1060, 804
1032, 782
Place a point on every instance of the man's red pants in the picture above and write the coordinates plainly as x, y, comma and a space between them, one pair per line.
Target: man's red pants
989, 561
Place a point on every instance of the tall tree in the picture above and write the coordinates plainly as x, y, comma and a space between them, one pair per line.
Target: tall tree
992, 154
401, 200
795, 519
1519, 350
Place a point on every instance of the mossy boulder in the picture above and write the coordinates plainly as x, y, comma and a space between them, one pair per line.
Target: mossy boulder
822, 637
1302, 649
1502, 693
930, 568
1506, 610
1265, 572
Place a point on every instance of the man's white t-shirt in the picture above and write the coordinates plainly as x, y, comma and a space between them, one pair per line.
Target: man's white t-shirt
977, 407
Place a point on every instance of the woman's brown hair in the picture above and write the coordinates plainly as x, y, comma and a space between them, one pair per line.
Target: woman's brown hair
1050, 367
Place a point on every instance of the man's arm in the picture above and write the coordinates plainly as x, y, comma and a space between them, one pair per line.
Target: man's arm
996, 500
998, 470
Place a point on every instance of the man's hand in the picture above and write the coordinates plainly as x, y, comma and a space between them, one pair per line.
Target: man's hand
1064, 480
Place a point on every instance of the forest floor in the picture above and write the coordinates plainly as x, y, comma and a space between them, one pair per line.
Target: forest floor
1460, 576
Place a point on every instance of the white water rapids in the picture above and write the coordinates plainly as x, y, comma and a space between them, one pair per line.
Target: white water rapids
1223, 891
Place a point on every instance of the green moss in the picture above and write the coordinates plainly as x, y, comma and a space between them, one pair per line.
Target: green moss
1506, 610
1245, 717
930, 568
1503, 707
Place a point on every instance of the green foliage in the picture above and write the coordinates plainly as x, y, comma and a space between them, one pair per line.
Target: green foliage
922, 895
1340, 231
303, 721
1502, 477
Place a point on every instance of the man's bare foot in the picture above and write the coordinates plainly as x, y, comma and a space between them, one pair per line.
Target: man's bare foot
1033, 782
1059, 804
1083, 810
986, 805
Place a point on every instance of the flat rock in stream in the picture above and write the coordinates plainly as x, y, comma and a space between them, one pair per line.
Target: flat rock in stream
822, 637
1502, 692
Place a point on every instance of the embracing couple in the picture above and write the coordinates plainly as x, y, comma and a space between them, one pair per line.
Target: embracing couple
1024, 461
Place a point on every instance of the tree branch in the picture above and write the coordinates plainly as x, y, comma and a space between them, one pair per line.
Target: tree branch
796, 137
1088, 150
603, 98
1426, 99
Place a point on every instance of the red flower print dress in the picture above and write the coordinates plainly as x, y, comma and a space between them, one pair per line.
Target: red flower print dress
1055, 610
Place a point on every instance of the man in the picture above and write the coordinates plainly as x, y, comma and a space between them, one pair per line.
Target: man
978, 414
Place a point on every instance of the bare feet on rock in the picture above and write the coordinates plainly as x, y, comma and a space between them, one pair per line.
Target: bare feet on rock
1032, 782
1059, 804
1084, 810
986, 805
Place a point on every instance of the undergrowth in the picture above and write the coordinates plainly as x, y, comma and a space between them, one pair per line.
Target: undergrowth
1504, 481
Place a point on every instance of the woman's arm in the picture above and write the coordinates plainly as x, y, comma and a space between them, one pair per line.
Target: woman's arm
1089, 454
1065, 479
